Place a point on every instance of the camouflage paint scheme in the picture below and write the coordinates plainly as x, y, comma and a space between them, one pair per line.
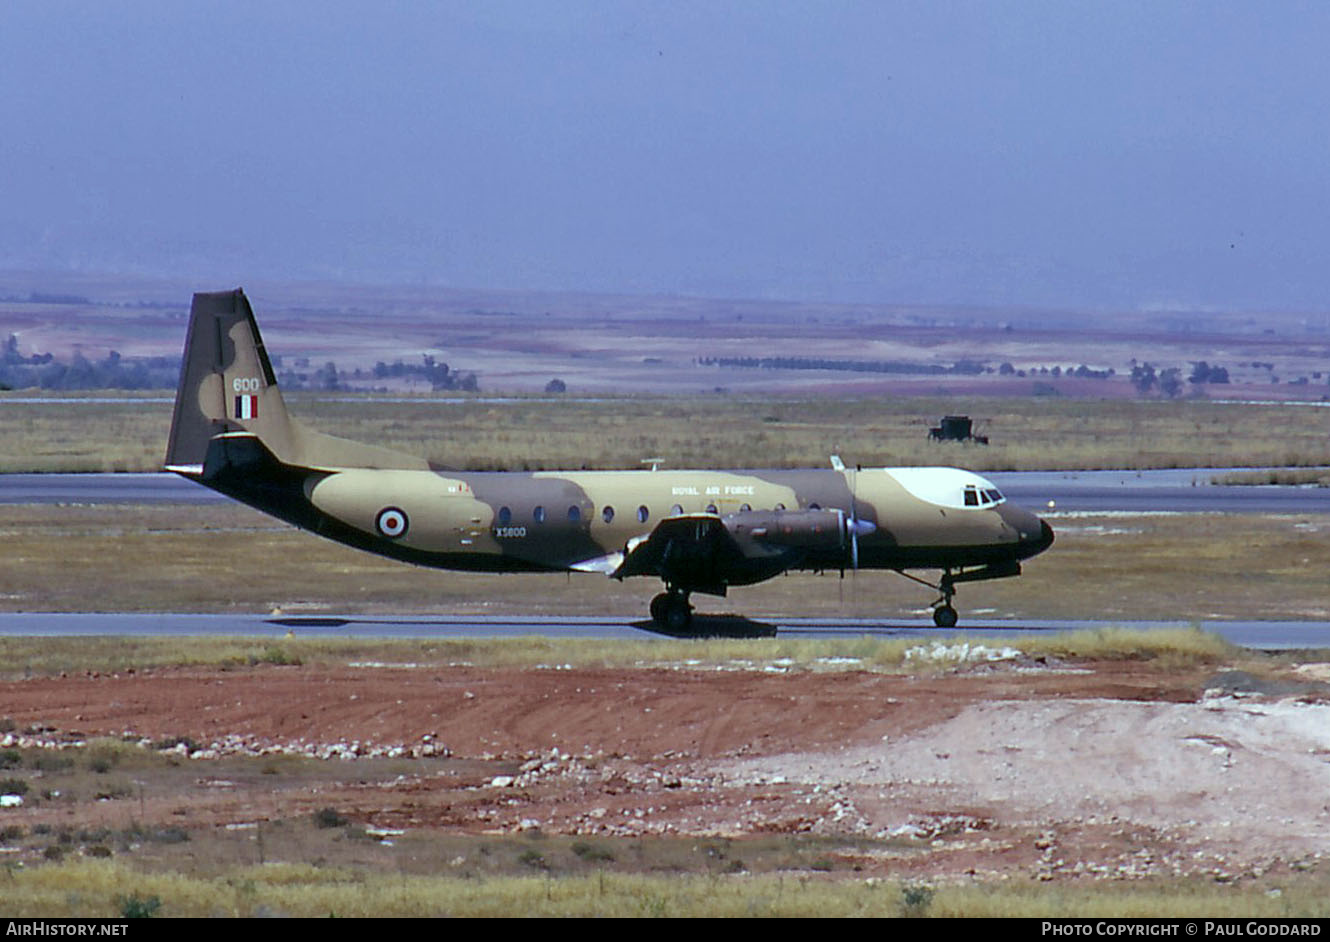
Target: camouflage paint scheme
697, 530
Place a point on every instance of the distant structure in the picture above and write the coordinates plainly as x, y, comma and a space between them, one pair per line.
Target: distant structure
956, 428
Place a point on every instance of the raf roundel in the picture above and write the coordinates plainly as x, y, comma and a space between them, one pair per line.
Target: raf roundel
391, 522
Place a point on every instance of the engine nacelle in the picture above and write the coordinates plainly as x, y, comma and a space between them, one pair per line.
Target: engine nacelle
790, 529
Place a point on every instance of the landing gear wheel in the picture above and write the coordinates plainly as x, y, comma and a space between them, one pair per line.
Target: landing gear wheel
678, 613
944, 616
671, 611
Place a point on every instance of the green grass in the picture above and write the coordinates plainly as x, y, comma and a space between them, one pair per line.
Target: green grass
706, 432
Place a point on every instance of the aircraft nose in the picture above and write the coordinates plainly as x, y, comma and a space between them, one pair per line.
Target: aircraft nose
1035, 535
1045, 539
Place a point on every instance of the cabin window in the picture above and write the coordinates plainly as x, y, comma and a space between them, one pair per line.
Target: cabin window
711, 508
574, 513
643, 514
971, 497
814, 506
539, 514
994, 495
677, 510
607, 514
744, 508
505, 516
779, 507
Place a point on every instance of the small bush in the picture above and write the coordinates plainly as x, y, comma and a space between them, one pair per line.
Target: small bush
591, 853
170, 742
278, 656
915, 899
532, 858
114, 790
169, 836
328, 818
137, 907
13, 786
50, 762
10, 759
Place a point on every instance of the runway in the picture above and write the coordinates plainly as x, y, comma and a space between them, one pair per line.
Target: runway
1186, 490
1259, 635
1173, 491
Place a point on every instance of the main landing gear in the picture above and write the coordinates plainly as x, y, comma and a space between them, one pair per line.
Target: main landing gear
671, 611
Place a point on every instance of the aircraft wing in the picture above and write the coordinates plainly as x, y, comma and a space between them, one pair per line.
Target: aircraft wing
708, 552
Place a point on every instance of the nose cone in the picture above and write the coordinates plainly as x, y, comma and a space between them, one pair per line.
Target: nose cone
1033, 534
1045, 536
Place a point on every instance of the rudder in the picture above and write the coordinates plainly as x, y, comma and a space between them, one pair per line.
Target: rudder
227, 383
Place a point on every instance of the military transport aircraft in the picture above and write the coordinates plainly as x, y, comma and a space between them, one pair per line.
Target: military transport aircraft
697, 531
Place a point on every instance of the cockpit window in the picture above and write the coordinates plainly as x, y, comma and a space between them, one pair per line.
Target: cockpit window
981, 497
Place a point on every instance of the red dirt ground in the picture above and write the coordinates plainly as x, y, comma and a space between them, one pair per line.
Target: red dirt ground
1017, 768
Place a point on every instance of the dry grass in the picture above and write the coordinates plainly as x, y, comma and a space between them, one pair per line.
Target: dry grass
25, 656
1183, 566
99, 888
226, 557
1284, 477
706, 432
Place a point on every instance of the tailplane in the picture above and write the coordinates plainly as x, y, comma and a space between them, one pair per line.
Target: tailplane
228, 387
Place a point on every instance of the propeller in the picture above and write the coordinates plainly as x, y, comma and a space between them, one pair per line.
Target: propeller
854, 527
857, 528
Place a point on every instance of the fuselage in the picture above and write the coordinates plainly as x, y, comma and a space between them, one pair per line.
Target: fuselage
906, 518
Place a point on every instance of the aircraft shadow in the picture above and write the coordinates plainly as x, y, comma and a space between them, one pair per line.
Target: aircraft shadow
308, 621
712, 626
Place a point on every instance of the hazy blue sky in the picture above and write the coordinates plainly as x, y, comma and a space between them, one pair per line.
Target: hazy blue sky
1108, 154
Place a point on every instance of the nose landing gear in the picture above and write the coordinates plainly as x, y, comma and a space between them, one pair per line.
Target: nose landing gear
944, 615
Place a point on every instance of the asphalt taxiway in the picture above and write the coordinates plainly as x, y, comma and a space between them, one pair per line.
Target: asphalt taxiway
1260, 635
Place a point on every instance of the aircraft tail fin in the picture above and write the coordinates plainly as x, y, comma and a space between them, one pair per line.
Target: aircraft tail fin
227, 385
